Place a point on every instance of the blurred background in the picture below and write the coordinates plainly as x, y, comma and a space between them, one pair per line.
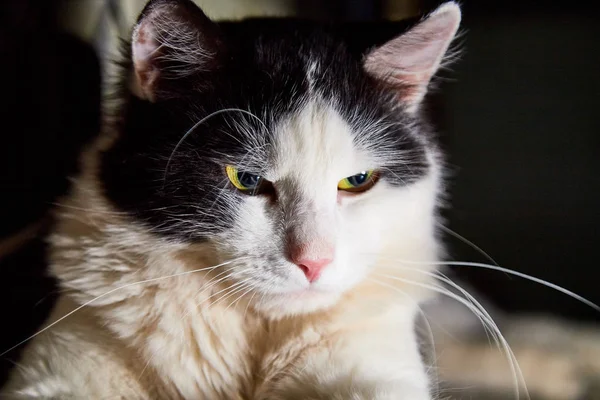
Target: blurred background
517, 115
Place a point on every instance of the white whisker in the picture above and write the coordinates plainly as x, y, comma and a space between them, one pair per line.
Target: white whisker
250, 288
203, 120
478, 310
241, 287
212, 282
228, 289
511, 272
468, 242
112, 291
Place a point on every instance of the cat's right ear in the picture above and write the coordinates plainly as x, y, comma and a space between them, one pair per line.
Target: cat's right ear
408, 62
173, 41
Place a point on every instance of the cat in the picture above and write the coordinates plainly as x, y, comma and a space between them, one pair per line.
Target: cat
235, 230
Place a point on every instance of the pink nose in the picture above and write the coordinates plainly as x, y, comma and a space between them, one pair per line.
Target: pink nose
312, 257
313, 268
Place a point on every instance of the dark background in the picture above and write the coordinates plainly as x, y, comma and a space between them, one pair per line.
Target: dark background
518, 115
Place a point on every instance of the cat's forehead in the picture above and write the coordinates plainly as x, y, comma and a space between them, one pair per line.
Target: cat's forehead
316, 143
312, 104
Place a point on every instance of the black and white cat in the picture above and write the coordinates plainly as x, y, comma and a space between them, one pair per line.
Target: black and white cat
236, 231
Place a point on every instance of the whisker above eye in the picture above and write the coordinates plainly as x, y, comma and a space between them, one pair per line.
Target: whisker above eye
203, 120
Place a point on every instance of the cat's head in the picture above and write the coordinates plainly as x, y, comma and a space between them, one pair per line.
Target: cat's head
306, 162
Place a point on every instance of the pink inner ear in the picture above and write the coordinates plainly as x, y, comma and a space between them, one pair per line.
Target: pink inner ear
410, 60
144, 48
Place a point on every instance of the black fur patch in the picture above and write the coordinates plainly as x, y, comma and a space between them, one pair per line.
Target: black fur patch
264, 72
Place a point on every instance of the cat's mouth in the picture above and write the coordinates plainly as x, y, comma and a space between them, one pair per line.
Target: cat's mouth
298, 301
310, 290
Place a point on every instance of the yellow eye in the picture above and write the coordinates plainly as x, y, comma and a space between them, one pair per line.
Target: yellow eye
242, 180
359, 182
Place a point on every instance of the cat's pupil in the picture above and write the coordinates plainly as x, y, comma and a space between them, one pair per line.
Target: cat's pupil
358, 179
249, 181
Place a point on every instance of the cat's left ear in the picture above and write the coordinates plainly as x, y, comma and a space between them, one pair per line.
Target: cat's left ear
172, 41
409, 61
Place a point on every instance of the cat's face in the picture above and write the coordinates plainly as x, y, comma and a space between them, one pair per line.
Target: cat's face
335, 206
304, 162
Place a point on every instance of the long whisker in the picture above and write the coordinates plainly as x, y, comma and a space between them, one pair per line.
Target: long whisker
511, 272
507, 271
516, 371
224, 110
468, 242
485, 321
481, 313
531, 278
513, 363
112, 291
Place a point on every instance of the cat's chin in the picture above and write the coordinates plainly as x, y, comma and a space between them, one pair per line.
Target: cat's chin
280, 305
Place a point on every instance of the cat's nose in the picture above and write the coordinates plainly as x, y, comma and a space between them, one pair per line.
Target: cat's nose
312, 264
312, 258
313, 268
